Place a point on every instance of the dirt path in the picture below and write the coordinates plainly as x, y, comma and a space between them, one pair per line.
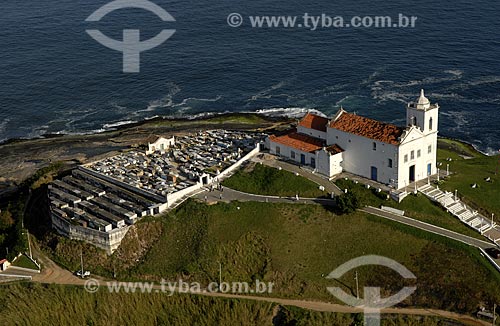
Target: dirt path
54, 274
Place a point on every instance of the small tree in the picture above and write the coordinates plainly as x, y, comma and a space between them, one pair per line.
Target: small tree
6, 220
348, 203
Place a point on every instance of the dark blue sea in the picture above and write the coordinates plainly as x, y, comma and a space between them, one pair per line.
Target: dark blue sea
54, 78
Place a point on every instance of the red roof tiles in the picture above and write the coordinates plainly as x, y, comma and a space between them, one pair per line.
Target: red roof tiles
299, 141
313, 121
369, 128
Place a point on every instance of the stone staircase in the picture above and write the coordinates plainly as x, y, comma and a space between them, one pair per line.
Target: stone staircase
464, 213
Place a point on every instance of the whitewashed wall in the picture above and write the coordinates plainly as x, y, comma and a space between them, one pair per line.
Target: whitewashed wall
311, 132
359, 155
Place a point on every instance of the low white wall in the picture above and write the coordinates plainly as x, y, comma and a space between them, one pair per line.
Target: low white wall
173, 197
490, 259
108, 241
236, 165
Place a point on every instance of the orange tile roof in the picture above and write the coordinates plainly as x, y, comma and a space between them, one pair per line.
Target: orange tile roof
334, 149
313, 121
373, 129
298, 141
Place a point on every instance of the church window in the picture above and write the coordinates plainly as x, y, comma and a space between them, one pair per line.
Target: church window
406, 158
419, 153
412, 155
430, 124
374, 146
429, 149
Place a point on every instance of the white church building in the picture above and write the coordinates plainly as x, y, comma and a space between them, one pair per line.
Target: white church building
380, 151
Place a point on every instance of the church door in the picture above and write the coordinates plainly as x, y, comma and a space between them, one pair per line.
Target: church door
412, 173
374, 173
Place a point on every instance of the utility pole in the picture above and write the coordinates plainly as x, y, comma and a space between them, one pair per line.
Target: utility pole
494, 313
357, 285
29, 244
81, 261
220, 275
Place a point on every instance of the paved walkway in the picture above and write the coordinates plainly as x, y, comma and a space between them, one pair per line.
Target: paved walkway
228, 195
428, 227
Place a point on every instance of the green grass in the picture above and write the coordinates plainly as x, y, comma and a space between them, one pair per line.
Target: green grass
264, 180
36, 304
485, 198
295, 246
423, 209
418, 207
24, 262
252, 120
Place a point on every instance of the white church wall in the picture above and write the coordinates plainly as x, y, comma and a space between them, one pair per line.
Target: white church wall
287, 152
359, 155
327, 164
421, 162
311, 132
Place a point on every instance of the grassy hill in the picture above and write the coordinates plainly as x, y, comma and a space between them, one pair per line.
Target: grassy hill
35, 304
295, 246
263, 180
471, 167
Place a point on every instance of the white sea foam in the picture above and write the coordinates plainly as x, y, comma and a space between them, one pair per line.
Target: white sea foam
194, 99
117, 124
452, 76
266, 93
3, 125
164, 102
287, 112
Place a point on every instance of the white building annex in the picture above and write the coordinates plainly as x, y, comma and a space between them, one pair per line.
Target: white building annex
159, 144
372, 149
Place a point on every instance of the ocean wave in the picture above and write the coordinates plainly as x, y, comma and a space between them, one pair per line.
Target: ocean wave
3, 125
195, 99
453, 75
164, 102
460, 118
390, 95
266, 93
295, 112
475, 82
117, 124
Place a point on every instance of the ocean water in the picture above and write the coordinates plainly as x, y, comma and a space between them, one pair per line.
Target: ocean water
55, 79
